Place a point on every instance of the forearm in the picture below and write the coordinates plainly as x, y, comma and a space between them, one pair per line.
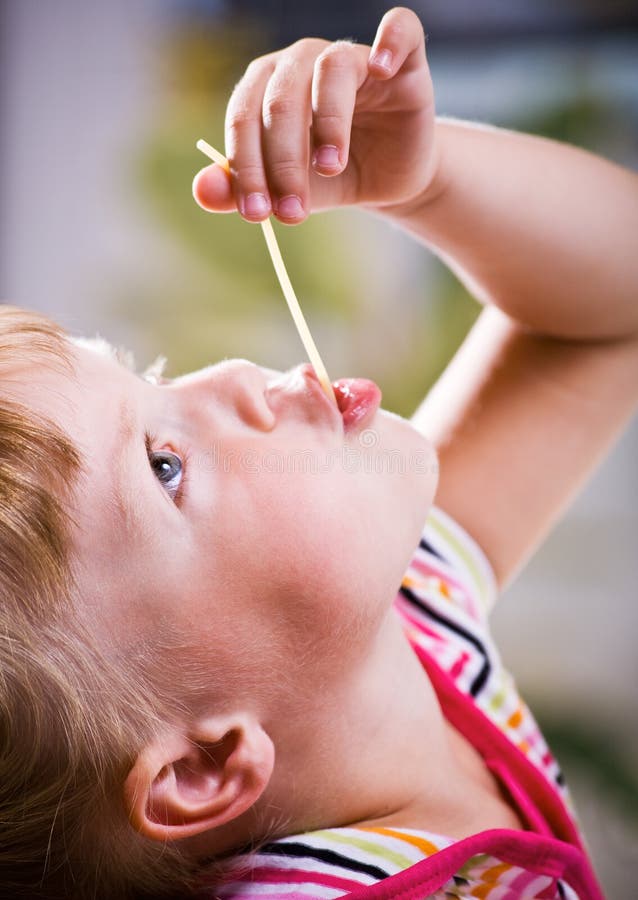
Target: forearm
543, 230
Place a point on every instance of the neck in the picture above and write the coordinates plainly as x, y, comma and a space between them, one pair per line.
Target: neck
371, 748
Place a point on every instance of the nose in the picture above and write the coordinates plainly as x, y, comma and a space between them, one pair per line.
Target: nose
235, 384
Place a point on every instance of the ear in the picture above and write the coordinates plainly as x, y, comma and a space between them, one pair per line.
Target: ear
184, 783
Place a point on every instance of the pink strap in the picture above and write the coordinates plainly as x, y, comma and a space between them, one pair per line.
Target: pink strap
553, 848
536, 797
541, 855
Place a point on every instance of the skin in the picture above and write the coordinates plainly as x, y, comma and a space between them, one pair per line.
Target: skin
544, 375
320, 575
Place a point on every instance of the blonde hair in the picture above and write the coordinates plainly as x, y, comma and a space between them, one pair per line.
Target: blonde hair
71, 720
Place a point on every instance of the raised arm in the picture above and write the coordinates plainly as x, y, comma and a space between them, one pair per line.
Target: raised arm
542, 233
543, 230
547, 235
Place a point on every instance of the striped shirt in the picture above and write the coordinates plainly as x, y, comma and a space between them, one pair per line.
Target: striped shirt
444, 600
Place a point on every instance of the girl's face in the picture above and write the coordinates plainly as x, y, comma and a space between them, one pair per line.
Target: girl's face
226, 515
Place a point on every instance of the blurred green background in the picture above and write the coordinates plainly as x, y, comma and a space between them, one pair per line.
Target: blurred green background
100, 108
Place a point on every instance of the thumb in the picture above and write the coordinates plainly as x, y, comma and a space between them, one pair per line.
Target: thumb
212, 190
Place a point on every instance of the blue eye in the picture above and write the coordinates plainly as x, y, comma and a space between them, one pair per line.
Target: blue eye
168, 469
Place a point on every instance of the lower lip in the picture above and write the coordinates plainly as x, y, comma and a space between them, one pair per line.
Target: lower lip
358, 400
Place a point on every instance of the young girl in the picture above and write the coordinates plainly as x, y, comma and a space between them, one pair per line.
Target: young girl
234, 658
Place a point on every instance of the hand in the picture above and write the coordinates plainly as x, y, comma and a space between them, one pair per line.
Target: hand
319, 125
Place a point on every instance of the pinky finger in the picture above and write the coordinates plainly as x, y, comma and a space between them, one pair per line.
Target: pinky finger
399, 40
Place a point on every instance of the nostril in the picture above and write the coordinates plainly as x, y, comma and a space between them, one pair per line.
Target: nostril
247, 383
236, 384
252, 408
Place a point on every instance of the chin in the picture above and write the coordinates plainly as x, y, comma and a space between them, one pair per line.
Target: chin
396, 507
407, 456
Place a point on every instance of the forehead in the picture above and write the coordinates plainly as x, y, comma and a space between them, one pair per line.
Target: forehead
94, 404
75, 397
84, 401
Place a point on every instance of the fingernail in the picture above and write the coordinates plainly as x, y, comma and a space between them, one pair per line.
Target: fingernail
256, 205
290, 207
327, 156
382, 59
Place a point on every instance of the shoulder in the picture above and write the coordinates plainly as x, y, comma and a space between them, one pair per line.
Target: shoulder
450, 563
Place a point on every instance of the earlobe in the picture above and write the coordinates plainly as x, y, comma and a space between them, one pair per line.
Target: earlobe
185, 783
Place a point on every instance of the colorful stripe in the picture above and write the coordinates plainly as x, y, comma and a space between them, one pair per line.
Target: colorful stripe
376, 849
460, 548
461, 632
304, 851
425, 846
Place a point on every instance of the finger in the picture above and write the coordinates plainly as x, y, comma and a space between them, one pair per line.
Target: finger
212, 190
339, 72
243, 141
399, 39
286, 120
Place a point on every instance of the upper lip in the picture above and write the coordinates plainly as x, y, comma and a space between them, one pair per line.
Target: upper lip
302, 380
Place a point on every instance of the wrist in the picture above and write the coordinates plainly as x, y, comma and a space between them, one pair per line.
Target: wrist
434, 183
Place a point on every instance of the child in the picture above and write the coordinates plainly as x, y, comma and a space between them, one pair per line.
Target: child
209, 681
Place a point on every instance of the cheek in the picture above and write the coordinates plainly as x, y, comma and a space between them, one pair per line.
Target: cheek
336, 534
307, 545
389, 477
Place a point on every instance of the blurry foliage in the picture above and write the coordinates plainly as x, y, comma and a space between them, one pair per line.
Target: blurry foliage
586, 122
579, 123
586, 746
227, 302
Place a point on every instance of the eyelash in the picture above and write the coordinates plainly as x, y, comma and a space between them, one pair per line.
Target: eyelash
150, 443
